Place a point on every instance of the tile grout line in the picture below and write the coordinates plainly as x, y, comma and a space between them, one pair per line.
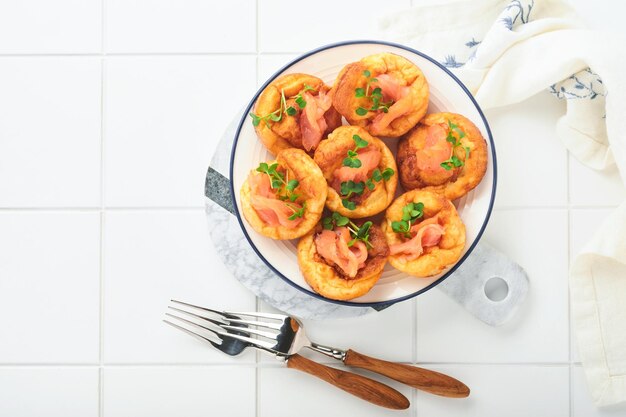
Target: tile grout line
569, 261
265, 364
194, 207
414, 353
257, 302
102, 202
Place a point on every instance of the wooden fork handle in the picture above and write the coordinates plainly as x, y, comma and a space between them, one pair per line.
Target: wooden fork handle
360, 386
420, 378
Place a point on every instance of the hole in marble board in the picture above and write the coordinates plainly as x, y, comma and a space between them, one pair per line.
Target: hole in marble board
496, 289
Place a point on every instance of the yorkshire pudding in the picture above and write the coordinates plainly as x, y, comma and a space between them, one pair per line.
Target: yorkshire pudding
386, 94
294, 111
284, 199
360, 171
445, 153
424, 232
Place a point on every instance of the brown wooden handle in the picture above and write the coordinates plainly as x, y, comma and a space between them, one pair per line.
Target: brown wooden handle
363, 387
420, 378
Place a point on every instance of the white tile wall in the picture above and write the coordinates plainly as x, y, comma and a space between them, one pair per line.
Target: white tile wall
50, 392
163, 119
286, 392
110, 111
179, 391
285, 28
533, 336
50, 131
49, 287
149, 258
532, 162
180, 26
512, 391
49, 27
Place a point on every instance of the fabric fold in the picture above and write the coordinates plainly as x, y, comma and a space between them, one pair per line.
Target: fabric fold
506, 51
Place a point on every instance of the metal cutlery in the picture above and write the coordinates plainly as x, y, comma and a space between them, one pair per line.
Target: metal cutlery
230, 334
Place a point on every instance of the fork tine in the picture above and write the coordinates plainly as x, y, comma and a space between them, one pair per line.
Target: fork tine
226, 326
275, 326
219, 313
217, 323
189, 332
216, 332
248, 330
258, 343
261, 315
233, 317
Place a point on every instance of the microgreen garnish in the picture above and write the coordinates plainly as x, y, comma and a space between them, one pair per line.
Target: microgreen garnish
376, 96
348, 188
278, 181
277, 115
297, 212
361, 233
352, 161
335, 219
454, 161
410, 213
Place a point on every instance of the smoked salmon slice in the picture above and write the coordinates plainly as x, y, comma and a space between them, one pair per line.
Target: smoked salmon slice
369, 157
392, 90
427, 233
436, 150
332, 245
312, 121
270, 209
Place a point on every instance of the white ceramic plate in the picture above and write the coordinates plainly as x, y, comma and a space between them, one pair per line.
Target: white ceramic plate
447, 93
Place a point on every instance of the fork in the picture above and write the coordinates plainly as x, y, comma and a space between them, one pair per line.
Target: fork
287, 337
233, 337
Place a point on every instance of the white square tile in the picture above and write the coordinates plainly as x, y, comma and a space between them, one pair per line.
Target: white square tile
532, 161
588, 187
50, 392
172, 391
286, 392
164, 117
282, 27
582, 404
537, 240
50, 297
50, 130
496, 391
387, 334
269, 64
43, 26
180, 26
583, 225
150, 258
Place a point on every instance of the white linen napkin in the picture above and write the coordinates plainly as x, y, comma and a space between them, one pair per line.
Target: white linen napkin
506, 51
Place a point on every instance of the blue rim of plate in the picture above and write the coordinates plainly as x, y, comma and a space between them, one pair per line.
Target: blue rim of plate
493, 162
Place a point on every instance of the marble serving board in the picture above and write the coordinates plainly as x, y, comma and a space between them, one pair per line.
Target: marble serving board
468, 285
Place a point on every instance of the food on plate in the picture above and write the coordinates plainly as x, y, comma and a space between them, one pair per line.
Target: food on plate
294, 111
360, 171
284, 199
342, 260
445, 153
424, 232
384, 93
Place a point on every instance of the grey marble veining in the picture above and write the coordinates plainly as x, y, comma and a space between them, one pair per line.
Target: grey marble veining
466, 286
248, 268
